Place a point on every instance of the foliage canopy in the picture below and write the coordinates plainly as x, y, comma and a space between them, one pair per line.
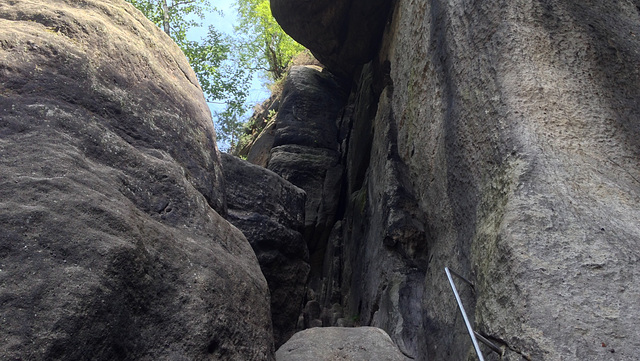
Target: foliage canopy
207, 57
223, 64
264, 44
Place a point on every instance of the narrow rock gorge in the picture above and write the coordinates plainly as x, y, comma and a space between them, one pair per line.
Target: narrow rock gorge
498, 138
270, 213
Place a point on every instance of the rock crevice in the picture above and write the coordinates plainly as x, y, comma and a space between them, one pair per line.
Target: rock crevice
496, 138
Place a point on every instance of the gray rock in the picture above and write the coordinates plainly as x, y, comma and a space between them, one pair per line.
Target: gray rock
310, 105
500, 139
111, 246
305, 150
309, 168
341, 34
523, 148
261, 131
338, 343
270, 213
384, 243
260, 149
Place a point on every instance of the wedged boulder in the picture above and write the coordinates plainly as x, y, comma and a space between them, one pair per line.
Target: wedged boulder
110, 187
341, 34
340, 343
270, 213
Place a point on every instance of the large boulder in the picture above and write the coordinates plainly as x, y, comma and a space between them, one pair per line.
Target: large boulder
112, 246
340, 343
342, 34
270, 213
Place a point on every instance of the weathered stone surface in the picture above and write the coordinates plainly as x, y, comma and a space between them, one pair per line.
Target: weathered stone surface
308, 167
384, 240
270, 213
261, 148
341, 34
522, 137
310, 106
255, 149
263, 121
111, 246
509, 130
305, 152
339, 343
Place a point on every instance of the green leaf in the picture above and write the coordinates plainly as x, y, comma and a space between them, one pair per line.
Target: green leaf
223, 64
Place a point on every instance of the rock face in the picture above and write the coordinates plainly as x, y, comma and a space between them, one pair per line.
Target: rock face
501, 139
270, 213
342, 34
306, 150
256, 149
112, 246
339, 343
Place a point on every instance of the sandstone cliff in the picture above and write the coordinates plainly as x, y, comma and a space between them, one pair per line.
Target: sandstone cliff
270, 213
112, 244
499, 138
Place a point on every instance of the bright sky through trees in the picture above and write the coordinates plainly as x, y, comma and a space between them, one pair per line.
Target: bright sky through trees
225, 23
234, 46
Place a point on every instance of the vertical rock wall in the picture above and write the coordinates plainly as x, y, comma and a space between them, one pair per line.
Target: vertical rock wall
306, 151
270, 213
518, 122
500, 139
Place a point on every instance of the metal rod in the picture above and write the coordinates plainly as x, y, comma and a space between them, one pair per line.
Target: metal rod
464, 315
489, 344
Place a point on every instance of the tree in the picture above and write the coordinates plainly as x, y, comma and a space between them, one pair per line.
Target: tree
225, 65
221, 79
264, 46
261, 46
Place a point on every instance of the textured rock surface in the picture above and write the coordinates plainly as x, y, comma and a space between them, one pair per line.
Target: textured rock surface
506, 136
305, 150
524, 141
383, 237
270, 213
111, 246
338, 343
258, 140
342, 34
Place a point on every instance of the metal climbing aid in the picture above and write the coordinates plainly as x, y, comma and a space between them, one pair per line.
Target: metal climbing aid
473, 334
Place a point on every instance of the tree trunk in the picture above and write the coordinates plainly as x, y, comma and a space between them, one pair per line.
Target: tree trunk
165, 17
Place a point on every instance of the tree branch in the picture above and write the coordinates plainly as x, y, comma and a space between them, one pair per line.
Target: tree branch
183, 2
